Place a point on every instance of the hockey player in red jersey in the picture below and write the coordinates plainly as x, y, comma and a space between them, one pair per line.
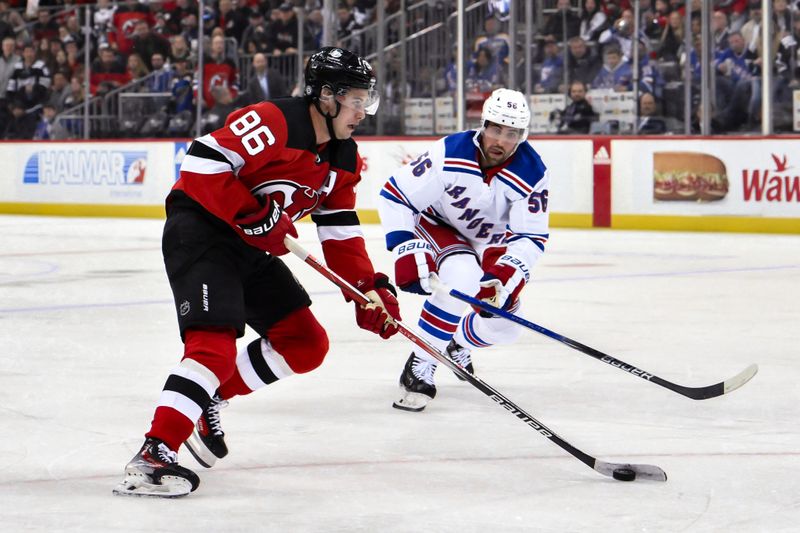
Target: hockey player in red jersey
240, 189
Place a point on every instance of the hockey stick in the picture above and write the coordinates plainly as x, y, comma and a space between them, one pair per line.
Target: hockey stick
695, 393
621, 471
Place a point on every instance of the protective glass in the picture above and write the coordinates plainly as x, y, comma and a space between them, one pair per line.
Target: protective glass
502, 133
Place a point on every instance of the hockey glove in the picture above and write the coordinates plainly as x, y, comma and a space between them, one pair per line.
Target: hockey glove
380, 315
266, 228
413, 264
502, 283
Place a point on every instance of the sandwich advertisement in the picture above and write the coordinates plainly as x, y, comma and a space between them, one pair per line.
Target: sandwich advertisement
758, 177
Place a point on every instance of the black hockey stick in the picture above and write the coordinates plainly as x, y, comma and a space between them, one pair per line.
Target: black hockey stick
695, 393
621, 471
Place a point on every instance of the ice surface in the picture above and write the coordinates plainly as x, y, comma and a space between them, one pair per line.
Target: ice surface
88, 336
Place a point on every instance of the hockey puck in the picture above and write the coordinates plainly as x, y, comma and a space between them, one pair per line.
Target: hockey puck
624, 474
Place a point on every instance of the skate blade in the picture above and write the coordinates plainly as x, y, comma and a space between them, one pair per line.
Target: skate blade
412, 401
170, 487
201, 454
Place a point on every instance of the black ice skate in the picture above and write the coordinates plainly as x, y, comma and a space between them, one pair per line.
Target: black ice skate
155, 472
461, 357
416, 384
207, 442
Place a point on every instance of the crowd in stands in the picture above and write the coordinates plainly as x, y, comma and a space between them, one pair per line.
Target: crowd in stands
582, 45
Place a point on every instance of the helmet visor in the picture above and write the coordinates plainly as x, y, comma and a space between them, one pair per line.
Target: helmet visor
498, 132
362, 100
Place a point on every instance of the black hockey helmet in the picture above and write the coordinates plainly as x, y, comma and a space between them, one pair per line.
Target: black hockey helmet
340, 70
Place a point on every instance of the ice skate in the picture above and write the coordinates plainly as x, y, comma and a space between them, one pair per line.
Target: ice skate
207, 442
461, 357
416, 384
155, 472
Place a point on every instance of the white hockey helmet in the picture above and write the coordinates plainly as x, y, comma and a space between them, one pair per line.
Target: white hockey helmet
507, 108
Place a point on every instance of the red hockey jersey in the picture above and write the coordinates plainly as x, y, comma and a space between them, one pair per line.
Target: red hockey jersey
258, 153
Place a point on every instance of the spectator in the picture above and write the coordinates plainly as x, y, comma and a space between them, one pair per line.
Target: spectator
496, 41
137, 69
484, 75
107, 69
256, 38
30, 80
552, 72
74, 61
650, 78
593, 20
102, 18
181, 11
73, 29
146, 43
720, 31
182, 80
232, 19
650, 123
8, 62
621, 34
563, 17
123, 25
45, 26
283, 31
75, 95
161, 81
782, 17
48, 129
615, 73
671, 42
582, 64
10, 19
179, 48
347, 28
265, 83
218, 70
314, 25
59, 91
751, 30
578, 116
224, 105
22, 124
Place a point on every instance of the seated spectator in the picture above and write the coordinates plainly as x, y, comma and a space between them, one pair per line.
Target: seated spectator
582, 64
107, 69
180, 11
218, 70
182, 81
232, 18
265, 83
255, 38
102, 19
45, 27
75, 96
751, 30
720, 31
22, 124
554, 26
484, 75
59, 90
496, 41
650, 123
593, 21
48, 129
9, 20
650, 78
615, 73
671, 42
30, 79
146, 43
8, 62
179, 48
621, 35
578, 116
283, 31
224, 105
161, 81
552, 73
137, 69
123, 24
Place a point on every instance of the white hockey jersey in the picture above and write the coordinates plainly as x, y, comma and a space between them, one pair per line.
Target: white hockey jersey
505, 205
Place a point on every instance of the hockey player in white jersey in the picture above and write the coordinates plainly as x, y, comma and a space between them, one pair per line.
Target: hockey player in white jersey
472, 210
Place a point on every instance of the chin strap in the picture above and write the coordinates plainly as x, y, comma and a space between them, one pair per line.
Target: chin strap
329, 118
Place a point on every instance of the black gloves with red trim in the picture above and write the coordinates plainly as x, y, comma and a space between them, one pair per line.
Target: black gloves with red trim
266, 228
380, 315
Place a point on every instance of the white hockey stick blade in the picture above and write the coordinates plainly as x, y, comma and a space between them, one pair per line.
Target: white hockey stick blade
740, 379
644, 472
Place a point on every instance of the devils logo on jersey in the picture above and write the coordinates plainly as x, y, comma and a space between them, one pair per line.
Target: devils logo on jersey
297, 200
